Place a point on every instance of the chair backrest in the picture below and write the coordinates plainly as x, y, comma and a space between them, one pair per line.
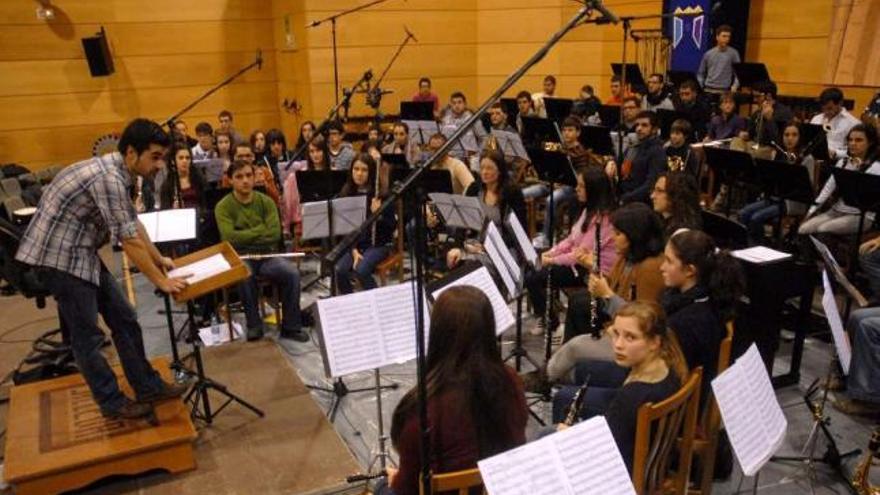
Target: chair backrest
659, 428
11, 186
459, 482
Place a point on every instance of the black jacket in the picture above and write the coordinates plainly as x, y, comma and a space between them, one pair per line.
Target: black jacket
642, 164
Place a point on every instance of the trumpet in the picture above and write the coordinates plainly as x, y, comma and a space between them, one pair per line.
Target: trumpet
861, 478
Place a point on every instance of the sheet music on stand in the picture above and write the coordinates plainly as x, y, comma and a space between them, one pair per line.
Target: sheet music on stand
459, 211
481, 279
838, 273
527, 249
760, 255
505, 264
583, 459
752, 416
170, 225
348, 214
369, 329
420, 131
212, 168
468, 141
510, 144
832, 314
202, 269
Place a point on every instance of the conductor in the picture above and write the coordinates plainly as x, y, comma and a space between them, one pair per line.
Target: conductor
87, 205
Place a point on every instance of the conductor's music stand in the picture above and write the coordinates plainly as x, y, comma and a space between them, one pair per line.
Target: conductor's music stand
238, 272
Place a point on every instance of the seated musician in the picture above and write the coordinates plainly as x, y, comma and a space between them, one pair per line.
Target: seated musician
525, 107
191, 181
476, 404
425, 94
276, 151
341, 151
645, 349
249, 220
759, 213
679, 155
306, 130
631, 109
258, 144
595, 196
224, 147
402, 145
838, 218
204, 150
263, 176
181, 132
374, 245
617, 93
763, 124
586, 107
498, 197
862, 394
657, 96
691, 103
727, 124
676, 198
462, 177
642, 162
456, 113
317, 158
498, 118
835, 119
549, 91
563, 195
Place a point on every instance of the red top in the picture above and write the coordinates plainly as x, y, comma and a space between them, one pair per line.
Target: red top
453, 439
430, 97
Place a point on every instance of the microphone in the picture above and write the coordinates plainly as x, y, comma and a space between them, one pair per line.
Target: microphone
409, 33
715, 7
259, 59
313, 24
609, 16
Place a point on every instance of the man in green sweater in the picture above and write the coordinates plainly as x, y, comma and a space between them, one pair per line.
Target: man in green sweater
248, 219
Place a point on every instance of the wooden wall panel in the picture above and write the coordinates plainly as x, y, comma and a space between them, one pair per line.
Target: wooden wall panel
156, 11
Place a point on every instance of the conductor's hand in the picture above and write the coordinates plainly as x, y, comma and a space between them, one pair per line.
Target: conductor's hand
171, 285
375, 204
869, 246
598, 286
166, 263
356, 257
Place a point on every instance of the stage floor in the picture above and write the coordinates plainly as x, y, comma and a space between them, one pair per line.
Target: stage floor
246, 452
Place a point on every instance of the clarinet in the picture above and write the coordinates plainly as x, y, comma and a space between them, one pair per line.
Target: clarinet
369, 203
576, 403
595, 324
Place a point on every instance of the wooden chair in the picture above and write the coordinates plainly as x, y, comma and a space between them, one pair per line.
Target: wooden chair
459, 482
706, 441
395, 259
658, 429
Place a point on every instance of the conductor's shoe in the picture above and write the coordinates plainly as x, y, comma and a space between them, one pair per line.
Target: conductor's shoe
165, 392
255, 333
129, 410
296, 335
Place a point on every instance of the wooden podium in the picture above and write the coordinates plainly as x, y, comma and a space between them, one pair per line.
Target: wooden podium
58, 440
238, 272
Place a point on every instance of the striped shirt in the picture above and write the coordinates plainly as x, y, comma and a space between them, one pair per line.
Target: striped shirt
86, 205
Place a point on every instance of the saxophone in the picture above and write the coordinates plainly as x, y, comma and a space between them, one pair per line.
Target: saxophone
861, 478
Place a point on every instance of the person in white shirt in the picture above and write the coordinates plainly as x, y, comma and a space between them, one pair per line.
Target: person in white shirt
204, 150
836, 120
549, 92
840, 218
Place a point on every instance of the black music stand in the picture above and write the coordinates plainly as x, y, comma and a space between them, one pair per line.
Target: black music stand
676, 77
609, 116
511, 109
597, 139
432, 181
667, 117
813, 139
416, 110
862, 191
784, 181
751, 74
558, 108
537, 131
727, 233
396, 160
732, 167
633, 75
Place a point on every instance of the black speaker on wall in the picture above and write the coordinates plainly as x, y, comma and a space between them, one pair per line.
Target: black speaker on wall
98, 54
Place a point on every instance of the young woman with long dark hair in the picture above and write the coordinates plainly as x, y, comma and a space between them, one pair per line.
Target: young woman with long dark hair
676, 198
476, 404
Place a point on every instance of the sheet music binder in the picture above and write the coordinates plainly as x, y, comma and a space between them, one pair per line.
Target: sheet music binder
431, 181
238, 272
837, 272
537, 131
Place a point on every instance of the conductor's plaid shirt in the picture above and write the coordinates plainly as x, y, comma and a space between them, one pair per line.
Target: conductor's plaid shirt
86, 205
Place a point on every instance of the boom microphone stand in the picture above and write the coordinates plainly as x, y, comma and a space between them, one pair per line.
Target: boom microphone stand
416, 200
332, 20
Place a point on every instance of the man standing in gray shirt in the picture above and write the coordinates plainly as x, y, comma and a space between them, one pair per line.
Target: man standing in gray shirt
716, 68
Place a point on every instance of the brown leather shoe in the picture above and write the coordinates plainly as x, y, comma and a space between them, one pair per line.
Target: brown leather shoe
167, 391
129, 410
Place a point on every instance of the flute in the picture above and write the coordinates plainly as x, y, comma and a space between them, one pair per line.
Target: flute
267, 256
595, 326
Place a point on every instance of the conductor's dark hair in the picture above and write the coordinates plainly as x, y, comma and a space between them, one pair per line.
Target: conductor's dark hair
768, 88
403, 125
203, 128
140, 134
651, 116
642, 228
237, 165
464, 364
600, 194
717, 271
832, 95
572, 121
